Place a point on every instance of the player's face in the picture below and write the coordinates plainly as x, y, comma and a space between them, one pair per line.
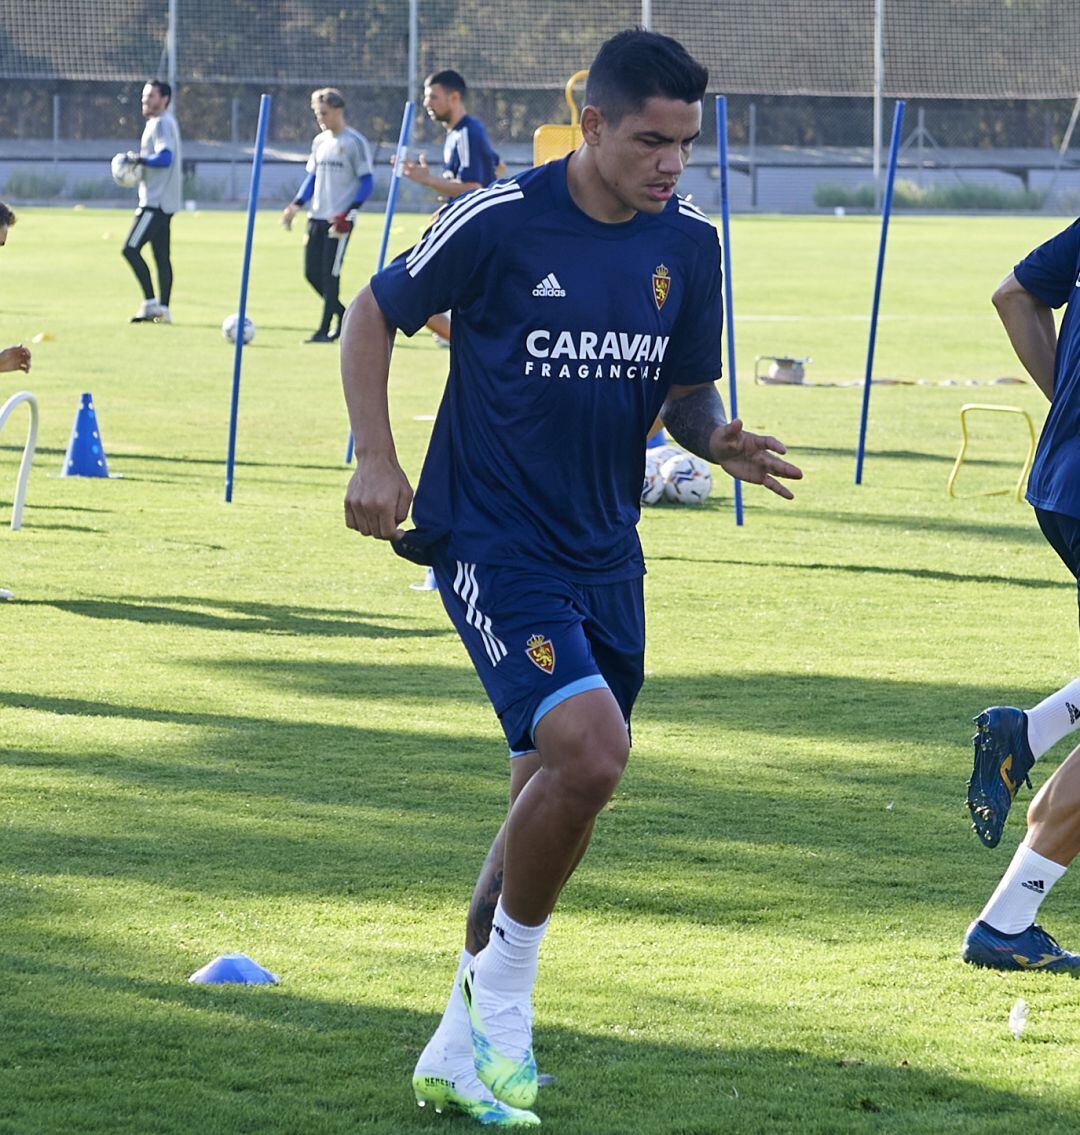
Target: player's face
328, 117
437, 102
153, 101
642, 158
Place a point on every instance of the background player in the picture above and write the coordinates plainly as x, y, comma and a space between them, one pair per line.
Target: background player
11, 358
469, 162
586, 297
1009, 741
159, 198
339, 180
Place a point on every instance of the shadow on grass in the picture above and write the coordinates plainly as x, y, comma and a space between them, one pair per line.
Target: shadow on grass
93, 1047
878, 569
1024, 532
235, 615
243, 803
906, 455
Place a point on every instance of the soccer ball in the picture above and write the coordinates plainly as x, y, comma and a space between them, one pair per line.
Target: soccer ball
687, 479
126, 173
652, 491
229, 325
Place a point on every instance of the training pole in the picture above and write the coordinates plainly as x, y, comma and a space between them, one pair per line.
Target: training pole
729, 302
886, 210
391, 201
253, 200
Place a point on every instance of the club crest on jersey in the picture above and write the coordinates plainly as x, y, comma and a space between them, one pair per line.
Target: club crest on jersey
541, 652
661, 285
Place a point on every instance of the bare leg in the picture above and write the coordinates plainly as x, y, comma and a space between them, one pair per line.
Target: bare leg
583, 749
1054, 815
489, 884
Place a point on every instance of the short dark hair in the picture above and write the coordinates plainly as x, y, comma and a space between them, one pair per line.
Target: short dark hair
329, 96
636, 65
448, 79
163, 88
7, 215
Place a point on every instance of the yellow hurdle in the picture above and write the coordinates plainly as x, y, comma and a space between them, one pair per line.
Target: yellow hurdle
971, 407
553, 140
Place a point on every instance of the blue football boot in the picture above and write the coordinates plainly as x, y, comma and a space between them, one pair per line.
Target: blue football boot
1003, 759
1032, 948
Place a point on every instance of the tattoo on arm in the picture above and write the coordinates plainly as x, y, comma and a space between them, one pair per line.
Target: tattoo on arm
691, 419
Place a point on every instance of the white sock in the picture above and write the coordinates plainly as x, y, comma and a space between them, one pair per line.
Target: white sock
508, 964
1053, 718
1013, 906
453, 1037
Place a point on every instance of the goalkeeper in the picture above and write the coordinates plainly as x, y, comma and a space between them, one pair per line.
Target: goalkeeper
339, 180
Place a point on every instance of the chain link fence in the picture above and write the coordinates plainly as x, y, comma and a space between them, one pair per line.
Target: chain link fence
992, 88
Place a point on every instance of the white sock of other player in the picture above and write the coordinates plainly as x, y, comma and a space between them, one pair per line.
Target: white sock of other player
508, 964
1053, 718
1015, 903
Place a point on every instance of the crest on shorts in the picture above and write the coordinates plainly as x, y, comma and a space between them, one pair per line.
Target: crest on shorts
541, 652
661, 285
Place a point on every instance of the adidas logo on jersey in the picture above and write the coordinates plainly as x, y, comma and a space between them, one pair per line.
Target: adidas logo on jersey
549, 286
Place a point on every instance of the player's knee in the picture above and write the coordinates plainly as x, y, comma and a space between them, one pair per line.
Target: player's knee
595, 767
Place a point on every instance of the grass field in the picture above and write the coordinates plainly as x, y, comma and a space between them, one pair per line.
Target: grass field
235, 728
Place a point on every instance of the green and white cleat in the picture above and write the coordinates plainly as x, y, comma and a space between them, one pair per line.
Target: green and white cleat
502, 1046
444, 1094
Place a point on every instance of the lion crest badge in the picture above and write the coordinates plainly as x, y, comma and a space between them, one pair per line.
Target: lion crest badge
541, 652
661, 285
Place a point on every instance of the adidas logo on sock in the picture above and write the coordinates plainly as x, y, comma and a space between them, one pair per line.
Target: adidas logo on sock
1074, 713
549, 286
1036, 885
499, 930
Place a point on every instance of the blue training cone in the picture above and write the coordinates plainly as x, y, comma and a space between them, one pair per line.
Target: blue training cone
235, 969
85, 455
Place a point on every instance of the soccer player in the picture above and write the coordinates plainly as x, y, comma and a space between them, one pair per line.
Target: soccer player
339, 180
1009, 741
11, 358
159, 198
587, 298
469, 162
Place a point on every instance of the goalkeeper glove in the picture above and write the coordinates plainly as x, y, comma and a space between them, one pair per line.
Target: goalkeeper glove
341, 223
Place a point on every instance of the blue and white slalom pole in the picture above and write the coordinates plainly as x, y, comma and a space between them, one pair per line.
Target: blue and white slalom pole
729, 303
391, 201
886, 210
253, 200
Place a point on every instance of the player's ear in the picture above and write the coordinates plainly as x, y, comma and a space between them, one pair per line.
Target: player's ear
592, 124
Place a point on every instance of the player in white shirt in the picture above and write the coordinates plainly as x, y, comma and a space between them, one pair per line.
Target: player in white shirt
159, 197
339, 180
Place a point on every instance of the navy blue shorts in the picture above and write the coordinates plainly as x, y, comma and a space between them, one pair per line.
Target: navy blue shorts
1063, 532
537, 639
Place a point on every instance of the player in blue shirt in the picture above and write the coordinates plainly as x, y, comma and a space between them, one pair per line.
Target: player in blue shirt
1009, 741
469, 162
587, 299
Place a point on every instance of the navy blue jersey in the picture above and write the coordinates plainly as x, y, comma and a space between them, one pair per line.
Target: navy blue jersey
1052, 274
467, 153
567, 335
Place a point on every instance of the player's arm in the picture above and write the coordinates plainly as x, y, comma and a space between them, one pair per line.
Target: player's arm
1029, 324
420, 172
694, 416
379, 494
303, 195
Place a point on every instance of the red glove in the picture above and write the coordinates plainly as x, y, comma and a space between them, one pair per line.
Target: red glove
340, 223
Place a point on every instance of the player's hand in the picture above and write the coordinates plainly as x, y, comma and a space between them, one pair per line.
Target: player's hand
133, 157
752, 457
15, 358
416, 171
378, 498
287, 215
341, 223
